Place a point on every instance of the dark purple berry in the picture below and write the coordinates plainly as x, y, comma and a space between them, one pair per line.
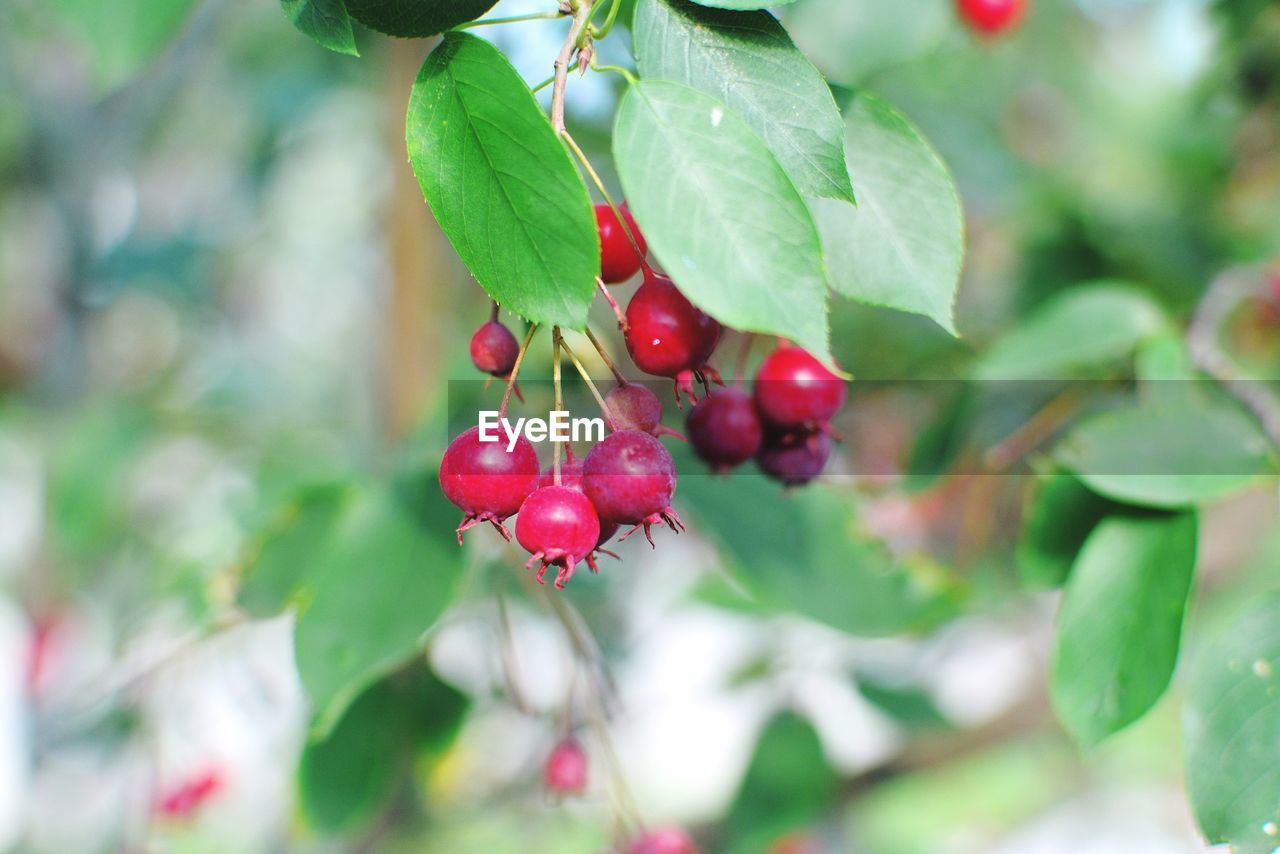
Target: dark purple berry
630, 479
494, 349
724, 428
794, 458
634, 407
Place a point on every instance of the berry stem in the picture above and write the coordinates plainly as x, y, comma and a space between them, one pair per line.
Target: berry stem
603, 30
604, 192
616, 69
558, 392
510, 661
586, 378
544, 84
493, 314
514, 19
515, 370
613, 304
581, 11
605, 357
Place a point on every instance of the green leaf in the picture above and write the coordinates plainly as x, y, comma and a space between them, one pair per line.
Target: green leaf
744, 5
416, 18
124, 36
903, 244
1120, 623
809, 560
374, 588
501, 184
1230, 722
747, 60
325, 21
1086, 327
1167, 454
720, 213
1062, 514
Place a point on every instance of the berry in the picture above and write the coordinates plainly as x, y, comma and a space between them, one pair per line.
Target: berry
794, 390
485, 481
794, 458
565, 772
570, 472
188, 796
618, 258
991, 17
558, 526
630, 479
494, 349
634, 407
724, 428
665, 840
668, 336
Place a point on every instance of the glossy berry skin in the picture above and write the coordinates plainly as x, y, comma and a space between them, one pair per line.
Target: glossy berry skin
991, 17
794, 458
666, 334
630, 479
494, 349
618, 258
565, 771
794, 390
558, 526
484, 481
724, 429
664, 840
634, 407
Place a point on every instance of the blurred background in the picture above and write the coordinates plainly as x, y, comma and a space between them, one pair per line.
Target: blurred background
223, 301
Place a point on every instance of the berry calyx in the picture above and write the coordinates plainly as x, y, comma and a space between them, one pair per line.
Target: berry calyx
485, 481
795, 391
668, 336
618, 258
565, 771
794, 458
724, 429
634, 407
494, 349
664, 840
557, 526
991, 17
630, 479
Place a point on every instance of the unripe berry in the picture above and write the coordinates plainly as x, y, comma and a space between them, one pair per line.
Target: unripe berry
724, 428
794, 458
664, 840
485, 481
630, 479
557, 526
634, 407
618, 258
991, 17
794, 390
565, 772
494, 349
666, 334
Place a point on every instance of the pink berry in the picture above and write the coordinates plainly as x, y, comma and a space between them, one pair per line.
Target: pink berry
794, 458
665, 840
565, 772
188, 796
618, 258
724, 428
570, 472
485, 481
991, 17
630, 479
494, 349
667, 336
794, 390
634, 407
558, 526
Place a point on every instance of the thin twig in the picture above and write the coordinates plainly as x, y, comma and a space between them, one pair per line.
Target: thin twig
586, 378
581, 15
605, 357
604, 192
515, 370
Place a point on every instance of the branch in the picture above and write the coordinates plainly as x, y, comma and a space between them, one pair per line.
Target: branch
581, 10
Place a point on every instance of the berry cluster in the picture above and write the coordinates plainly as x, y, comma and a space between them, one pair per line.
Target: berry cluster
566, 513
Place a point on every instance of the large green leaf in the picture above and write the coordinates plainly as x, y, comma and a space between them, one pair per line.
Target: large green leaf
1169, 454
123, 36
416, 18
720, 213
1120, 622
804, 556
903, 244
326, 21
1086, 327
1231, 723
502, 186
747, 60
1062, 514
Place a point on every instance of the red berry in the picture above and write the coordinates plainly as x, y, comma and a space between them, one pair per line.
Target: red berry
666, 334
665, 840
558, 526
494, 349
724, 428
634, 407
618, 258
794, 390
630, 479
565, 772
991, 17
570, 472
188, 796
485, 481
794, 458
